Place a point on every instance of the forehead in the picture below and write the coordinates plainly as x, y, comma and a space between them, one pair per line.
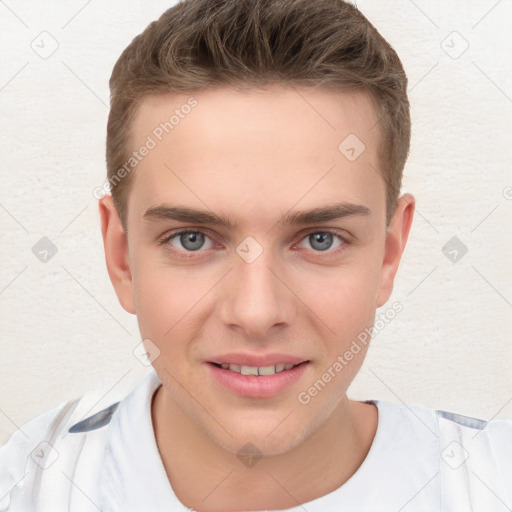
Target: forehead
256, 148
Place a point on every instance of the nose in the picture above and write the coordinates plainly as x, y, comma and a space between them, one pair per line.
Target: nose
256, 299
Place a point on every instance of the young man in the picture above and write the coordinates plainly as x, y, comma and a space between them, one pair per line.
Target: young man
255, 153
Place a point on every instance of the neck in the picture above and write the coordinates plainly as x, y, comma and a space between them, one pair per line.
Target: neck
208, 478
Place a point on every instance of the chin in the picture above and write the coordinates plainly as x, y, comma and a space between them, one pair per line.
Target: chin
267, 440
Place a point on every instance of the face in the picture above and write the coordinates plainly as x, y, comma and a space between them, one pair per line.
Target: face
255, 240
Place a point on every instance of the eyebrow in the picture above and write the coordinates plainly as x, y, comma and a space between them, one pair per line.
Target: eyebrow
312, 216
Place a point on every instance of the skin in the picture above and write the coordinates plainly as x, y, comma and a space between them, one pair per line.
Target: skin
252, 156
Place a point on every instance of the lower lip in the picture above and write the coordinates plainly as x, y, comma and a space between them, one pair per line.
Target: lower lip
254, 386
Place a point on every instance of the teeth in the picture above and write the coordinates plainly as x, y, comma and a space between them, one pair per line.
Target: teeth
257, 370
249, 370
266, 370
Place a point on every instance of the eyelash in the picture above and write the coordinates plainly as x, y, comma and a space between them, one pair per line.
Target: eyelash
190, 254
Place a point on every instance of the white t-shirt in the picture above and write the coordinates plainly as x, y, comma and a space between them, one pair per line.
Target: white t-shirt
420, 460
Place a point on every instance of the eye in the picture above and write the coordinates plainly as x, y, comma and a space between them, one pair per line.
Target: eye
186, 241
322, 241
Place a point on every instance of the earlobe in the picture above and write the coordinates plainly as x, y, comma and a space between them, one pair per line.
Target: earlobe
396, 238
116, 253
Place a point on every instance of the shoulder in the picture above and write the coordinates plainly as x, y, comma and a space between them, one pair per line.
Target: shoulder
445, 423
474, 456
40, 448
54, 460
487, 443
476, 461
491, 437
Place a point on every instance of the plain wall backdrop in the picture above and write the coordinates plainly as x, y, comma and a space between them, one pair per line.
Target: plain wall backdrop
63, 330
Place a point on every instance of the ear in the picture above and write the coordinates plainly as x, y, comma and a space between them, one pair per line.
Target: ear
117, 256
396, 238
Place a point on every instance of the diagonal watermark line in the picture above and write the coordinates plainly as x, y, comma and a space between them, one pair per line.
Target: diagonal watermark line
286, 491
419, 213
381, 175
407, 503
12, 280
13, 217
494, 288
424, 14
14, 423
84, 83
107, 392
198, 301
88, 497
428, 275
485, 15
14, 76
76, 14
404, 403
492, 491
492, 417
102, 397
96, 300
332, 332
304, 195
165, 165
198, 402
311, 106
5, 5
492, 81
422, 78
74, 218
381, 117
488, 215
279, 424
10, 490
216, 487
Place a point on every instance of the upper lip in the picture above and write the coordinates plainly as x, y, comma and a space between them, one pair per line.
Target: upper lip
256, 360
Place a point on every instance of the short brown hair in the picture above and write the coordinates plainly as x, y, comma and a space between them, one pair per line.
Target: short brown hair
200, 44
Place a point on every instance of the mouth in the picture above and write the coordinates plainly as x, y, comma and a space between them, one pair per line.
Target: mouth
265, 381
257, 370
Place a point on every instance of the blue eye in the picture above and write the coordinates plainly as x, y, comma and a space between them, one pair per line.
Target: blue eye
189, 240
323, 240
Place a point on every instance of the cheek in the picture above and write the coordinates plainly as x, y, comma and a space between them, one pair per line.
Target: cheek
168, 304
345, 299
161, 302
151, 299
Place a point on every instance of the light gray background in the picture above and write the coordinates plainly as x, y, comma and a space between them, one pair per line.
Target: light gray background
63, 331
